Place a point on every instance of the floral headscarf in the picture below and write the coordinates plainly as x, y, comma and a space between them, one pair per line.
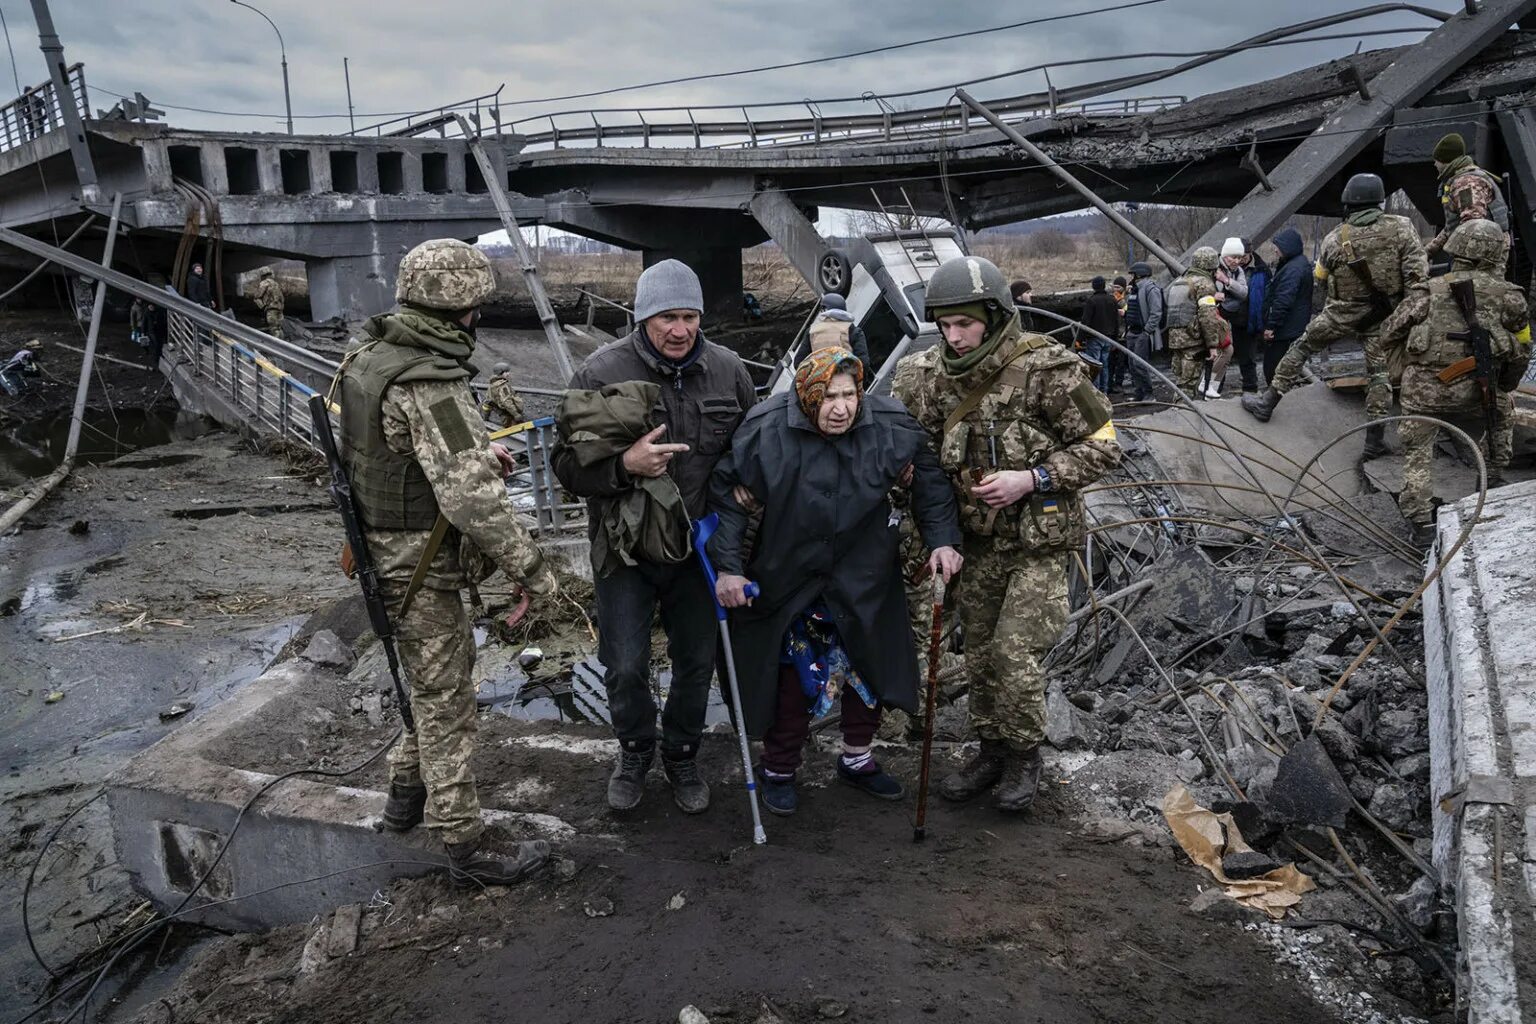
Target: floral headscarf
813, 376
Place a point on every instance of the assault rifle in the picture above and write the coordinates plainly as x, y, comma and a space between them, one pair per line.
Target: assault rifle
362, 560
1465, 297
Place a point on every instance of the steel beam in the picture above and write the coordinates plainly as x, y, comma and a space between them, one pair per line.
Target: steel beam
797, 236
74, 128
1357, 122
1518, 129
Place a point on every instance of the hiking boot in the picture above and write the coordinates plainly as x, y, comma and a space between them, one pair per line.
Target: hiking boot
1262, 405
478, 862
976, 775
689, 790
406, 806
777, 795
627, 783
1021, 778
1375, 442
872, 780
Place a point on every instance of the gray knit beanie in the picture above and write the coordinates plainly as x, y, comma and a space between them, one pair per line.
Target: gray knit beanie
669, 284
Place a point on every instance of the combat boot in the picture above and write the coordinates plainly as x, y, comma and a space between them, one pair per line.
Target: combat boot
1375, 442
405, 807
1423, 535
1021, 778
1496, 476
976, 775
480, 862
627, 783
1262, 405
689, 790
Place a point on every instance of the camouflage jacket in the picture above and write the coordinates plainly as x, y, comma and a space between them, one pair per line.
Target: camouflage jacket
501, 399
268, 294
437, 423
1426, 325
1208, 328
1038, 411
1467, 192
1372, 260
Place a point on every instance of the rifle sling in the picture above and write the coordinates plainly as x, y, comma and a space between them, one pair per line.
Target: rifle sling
419, 575
969, 403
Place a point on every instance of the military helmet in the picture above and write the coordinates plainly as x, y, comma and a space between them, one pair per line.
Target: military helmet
1364, 190
1204, 258
1477, 241
965, 281
445, 273
500, 370
264, 273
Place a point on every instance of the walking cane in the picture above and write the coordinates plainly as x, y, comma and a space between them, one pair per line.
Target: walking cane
703, 529
935, 641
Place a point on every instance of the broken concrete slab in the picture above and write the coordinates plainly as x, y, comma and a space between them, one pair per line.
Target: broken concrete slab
1308, 788
1067, 727
1480, 664
326, 649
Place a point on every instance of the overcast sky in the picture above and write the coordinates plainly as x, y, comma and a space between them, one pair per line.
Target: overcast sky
410, 55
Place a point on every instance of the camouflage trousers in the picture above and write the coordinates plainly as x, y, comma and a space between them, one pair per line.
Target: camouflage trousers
274, 322
1188, 366
1419, 439
1014, 606
1341, 320
437, 649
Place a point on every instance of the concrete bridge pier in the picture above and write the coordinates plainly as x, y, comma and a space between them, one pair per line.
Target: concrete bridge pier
352, 285
719, 270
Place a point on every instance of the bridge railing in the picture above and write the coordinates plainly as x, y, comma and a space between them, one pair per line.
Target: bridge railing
275, 403
37, 111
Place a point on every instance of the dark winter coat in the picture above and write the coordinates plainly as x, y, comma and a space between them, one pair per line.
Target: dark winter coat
827, 535
1288, 299
197, 290
1102, 314
700, 404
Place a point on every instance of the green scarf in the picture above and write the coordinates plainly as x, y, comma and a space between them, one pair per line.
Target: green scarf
1363, 218
959, 366
420, 328
1455, 167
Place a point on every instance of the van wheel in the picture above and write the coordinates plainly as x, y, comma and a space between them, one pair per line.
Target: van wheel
835, 272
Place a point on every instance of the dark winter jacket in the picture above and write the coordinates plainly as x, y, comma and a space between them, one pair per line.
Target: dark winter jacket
197, 290
1288, 302
701, 405
1102, 314
1258, 290
827, 536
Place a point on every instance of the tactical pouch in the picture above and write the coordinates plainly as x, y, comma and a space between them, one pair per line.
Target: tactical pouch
1050, 522
1418, 340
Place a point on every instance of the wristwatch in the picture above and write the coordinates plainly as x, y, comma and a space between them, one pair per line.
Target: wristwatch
1043, 481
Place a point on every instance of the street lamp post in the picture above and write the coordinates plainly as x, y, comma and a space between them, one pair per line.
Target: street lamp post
282, 47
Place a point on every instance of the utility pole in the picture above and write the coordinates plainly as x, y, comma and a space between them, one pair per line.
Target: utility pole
347, 72
69, 114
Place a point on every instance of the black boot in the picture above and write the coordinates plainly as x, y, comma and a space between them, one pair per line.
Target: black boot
1021, 778
627, 783
689, 790
477, 863
1423, 535
1375, 442
976, 775
1262, 405
405, 807
1496, 476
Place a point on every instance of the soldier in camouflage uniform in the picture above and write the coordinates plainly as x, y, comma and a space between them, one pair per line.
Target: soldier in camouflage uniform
269, 296
1467, 193
1370, 264
1430, 322
1020, 431
415, 448
502, 407
1192, 341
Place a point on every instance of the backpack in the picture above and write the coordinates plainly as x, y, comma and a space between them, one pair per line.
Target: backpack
1178, 307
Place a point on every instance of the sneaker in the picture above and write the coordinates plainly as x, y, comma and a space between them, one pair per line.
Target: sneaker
626, 785
872, 780
481, 862
778, 796
1213, 392
689, 790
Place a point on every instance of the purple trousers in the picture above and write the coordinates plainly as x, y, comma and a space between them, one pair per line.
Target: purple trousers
784, 742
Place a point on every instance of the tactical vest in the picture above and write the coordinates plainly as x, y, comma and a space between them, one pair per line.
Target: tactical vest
391, 491
830, 334
1498, 210
1001, 432
1361, 273
1430, 343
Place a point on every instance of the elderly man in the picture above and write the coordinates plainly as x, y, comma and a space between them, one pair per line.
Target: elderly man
831, 621
705, 391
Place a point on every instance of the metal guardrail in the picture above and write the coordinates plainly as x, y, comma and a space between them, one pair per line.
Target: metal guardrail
275, 403
594, 300
36, 112
439, 119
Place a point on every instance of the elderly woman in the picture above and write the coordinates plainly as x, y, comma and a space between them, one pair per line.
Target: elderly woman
830, 622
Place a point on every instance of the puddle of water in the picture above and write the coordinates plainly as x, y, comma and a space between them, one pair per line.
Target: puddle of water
36, 447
